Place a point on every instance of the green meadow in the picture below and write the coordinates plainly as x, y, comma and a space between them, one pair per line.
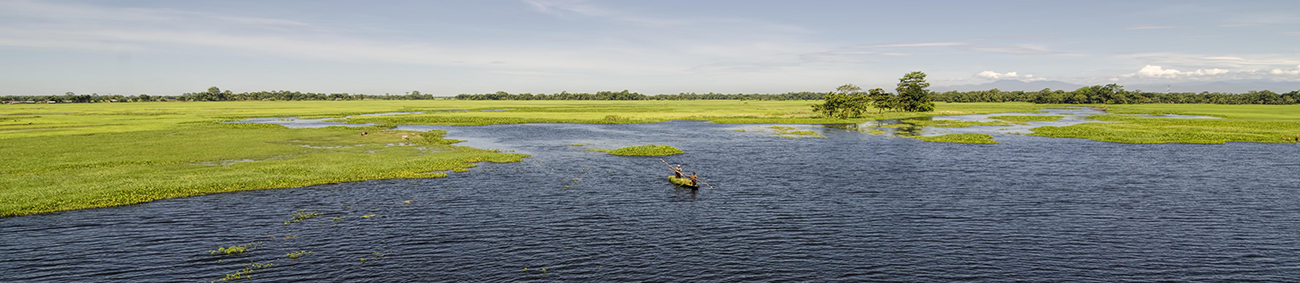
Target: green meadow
1238, 123
60, 157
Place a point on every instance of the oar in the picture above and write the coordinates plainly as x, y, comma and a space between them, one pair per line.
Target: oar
702, 182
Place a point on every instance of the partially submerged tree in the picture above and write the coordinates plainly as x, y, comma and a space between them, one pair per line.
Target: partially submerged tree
848, 101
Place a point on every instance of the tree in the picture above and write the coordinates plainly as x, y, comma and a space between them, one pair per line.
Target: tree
912, 95
847, 101
882, 100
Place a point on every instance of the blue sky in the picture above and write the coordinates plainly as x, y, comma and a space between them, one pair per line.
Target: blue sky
652, 47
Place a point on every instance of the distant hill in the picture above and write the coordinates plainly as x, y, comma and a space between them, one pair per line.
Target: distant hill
1011, 85
1195, 87
1221, 86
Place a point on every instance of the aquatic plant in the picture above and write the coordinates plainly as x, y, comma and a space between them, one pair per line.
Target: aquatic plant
301, 215
244, 273
297, 254
792, 132
1021, 119
958, 138
643, 150
233, 250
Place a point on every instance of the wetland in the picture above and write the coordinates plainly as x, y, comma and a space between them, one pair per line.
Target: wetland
864, 201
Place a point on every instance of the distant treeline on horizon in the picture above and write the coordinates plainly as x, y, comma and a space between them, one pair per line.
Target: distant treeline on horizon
1098, 94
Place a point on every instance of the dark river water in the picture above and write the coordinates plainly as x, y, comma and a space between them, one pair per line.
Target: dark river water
848, 207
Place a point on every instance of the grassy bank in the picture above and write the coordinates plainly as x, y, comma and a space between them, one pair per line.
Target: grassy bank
1238, 123
76, 156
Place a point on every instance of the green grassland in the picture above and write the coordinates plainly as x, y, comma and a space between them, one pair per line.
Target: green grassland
1239, 123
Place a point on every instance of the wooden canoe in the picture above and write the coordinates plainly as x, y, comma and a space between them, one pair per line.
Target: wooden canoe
685, 182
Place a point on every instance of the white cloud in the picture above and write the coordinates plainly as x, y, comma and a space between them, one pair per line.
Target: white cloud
995, 75
1008, 76
1153, 71
1292, 72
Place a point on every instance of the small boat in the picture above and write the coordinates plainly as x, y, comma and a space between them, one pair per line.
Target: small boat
684, 182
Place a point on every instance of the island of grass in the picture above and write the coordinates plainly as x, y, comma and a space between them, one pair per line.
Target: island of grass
1021, 119
791, 132
643, 150
959, 138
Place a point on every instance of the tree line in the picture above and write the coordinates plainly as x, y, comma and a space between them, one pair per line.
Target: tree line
626, 95
1116, 94
1097, 94
213, 94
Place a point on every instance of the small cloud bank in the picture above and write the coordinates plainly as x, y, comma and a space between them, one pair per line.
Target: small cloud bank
1152, 71
1158, 72
1008, 76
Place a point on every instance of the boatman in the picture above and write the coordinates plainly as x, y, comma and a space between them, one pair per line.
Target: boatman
695, 180
678, 171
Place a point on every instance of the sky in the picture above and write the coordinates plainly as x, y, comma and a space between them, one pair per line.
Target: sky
652, 47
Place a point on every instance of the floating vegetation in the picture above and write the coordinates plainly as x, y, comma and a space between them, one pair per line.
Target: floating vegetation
368, 216
374, 256
300, 215
234, 250
297, 254
942, 123
643, 150
244, 273
792, 132
959, 138
1021, 119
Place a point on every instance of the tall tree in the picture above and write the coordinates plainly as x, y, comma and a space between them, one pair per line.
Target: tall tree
912, 95
847, 101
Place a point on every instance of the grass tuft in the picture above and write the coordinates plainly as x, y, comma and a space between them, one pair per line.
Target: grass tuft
959, 138
643, 150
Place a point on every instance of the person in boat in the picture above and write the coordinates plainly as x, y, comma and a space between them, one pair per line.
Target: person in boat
694, 179
678, 171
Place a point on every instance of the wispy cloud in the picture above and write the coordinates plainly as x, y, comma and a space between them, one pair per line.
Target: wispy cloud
1212, 61
1023, 49
912, 45
61, 26
1148, 27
